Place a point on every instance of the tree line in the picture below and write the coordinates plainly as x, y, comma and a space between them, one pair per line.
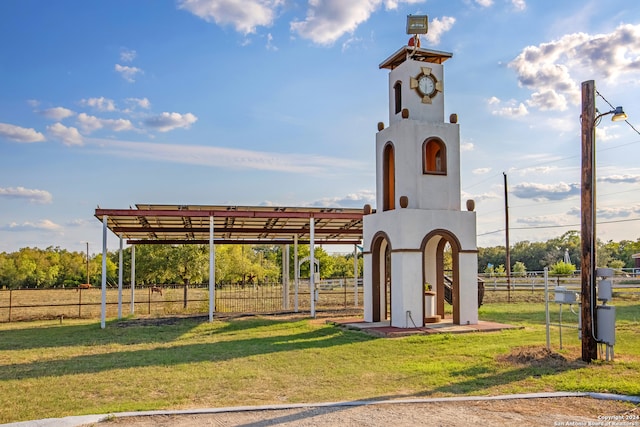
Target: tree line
54, 267
535, 256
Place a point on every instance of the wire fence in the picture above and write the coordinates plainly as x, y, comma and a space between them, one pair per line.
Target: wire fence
335, 295
34, 304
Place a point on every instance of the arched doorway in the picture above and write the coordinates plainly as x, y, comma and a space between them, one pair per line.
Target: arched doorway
381, 278
435, 250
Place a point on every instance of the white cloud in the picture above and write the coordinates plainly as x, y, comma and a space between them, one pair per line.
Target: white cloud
128, 73
607, 133
127, 55
438, 27
68, 135
542, 220
226, 157
610, 213
481, 171
621, 179
536, 170
42, 225
170, 121
56, 113
485, 3
90, 124
20, 134
32, 195
552, 70
618, 212
140, 102
393, 4
548, 100
519, 5
78, 222
270, 45
466, 146
509, 108
244, 15
479, 197
329, 20
351, 200
559, 191
100, 104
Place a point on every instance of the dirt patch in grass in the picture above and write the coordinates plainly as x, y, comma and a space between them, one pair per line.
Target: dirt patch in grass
538, 357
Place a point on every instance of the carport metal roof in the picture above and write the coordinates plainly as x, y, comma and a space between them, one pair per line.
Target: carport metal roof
189, 224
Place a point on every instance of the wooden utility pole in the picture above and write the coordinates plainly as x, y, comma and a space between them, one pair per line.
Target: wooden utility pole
588, 223
88, 281
506, 219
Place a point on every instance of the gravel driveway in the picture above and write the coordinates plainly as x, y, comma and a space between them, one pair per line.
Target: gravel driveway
550, 411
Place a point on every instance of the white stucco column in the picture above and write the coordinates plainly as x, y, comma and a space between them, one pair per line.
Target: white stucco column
406, 289
212, 270
133, 279
367, 278
120, 268
103, 307
468, 288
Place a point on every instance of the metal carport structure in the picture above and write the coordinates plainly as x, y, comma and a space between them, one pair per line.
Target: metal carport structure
217, 224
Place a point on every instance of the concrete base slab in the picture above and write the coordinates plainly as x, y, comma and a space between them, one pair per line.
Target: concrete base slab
445, 326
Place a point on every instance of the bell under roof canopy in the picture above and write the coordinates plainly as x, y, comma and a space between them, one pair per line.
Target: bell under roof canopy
417, 54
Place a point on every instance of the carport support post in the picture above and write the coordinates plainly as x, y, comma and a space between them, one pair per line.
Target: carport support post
355, 275
312, 278
296, 274
285, 277
103, 309
120, 280
133, 278
212, 270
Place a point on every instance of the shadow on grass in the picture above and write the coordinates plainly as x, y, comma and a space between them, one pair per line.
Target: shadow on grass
64, 335
214, 351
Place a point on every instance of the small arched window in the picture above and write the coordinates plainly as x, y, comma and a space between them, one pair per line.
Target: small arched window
389, 178
434, 157
397, 91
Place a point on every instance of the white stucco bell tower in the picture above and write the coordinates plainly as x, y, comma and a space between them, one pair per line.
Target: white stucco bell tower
418, 204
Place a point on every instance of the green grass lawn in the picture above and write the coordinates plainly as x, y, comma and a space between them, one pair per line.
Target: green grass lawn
48, 369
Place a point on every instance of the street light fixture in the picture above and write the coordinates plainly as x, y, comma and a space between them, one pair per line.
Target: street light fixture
618, 115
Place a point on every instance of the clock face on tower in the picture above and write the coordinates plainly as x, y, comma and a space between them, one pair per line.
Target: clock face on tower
426, 84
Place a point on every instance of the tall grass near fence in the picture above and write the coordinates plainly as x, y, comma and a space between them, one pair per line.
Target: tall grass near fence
34, 304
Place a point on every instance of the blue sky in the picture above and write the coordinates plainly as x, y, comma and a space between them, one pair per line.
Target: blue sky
275, 102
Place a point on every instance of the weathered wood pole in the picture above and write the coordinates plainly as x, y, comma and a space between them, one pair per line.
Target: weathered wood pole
508, 251
588, 223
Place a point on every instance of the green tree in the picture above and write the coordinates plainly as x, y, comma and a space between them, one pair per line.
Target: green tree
562, 268
519, 269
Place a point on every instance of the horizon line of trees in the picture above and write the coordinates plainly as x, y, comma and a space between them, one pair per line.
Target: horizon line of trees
54, 267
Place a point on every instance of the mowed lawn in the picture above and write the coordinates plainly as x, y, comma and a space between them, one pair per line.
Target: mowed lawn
53, 369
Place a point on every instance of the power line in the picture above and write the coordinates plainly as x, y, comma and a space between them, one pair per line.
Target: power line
538, 227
